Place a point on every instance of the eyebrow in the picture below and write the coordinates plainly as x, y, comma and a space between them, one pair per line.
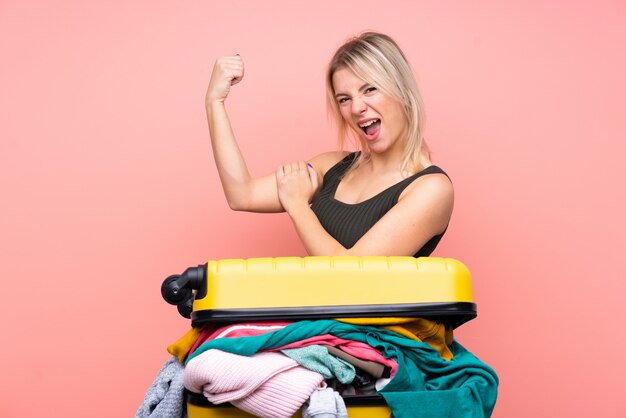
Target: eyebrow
363, 87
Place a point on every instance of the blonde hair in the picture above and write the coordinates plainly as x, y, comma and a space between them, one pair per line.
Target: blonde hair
378, 60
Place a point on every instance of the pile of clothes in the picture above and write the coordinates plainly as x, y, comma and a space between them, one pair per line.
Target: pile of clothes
274, 369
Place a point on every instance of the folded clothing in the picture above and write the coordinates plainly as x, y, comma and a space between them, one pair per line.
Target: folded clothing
267, 384
164, 398
325, 403
316, 357
465, 382
181, 347
434, 333
372, 368
355, 348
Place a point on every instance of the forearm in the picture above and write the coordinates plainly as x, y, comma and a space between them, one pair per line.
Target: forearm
313, 235
229, 161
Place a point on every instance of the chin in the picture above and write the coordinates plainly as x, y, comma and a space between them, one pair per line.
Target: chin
379, 145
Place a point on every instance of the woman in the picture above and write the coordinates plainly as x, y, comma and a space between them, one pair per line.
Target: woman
387, 199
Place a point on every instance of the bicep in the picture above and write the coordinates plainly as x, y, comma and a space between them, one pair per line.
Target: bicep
418, 216
261, 195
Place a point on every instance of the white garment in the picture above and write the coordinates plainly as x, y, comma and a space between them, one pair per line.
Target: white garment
325, 403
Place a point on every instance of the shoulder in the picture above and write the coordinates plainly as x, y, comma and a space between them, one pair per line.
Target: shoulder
434, 186
430, 196
324, 162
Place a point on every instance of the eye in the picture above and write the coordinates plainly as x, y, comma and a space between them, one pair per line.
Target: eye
342, 100
370, 90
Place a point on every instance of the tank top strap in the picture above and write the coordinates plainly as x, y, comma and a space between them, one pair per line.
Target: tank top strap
336, 171
399, 187
347, 223
332, 178
396, 190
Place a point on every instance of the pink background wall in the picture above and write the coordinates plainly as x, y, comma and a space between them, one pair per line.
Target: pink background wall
108, 184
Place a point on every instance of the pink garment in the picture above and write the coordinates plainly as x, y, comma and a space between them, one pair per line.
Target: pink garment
354, 348
267, 384
248, 329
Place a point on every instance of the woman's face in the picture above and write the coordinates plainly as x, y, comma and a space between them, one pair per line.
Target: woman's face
376, 118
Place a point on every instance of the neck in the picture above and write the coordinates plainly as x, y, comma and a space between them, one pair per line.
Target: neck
385, 163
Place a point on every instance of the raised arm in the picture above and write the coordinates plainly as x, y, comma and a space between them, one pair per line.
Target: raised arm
241, 190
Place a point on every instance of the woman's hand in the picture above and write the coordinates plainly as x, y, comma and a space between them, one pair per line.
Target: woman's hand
227, 72
297, 184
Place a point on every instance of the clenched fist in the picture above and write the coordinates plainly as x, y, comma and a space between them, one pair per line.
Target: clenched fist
227, 72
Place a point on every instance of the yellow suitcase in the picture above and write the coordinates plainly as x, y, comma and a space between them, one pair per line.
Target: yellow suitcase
302, 288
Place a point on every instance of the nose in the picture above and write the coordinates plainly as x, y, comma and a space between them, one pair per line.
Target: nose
358, 105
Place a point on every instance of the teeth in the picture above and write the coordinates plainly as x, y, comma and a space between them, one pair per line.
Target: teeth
368, 123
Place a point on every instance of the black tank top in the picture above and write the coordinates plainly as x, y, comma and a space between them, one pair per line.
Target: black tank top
347, 223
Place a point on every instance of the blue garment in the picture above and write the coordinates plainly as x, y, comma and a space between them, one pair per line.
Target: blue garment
425, 385
164, 398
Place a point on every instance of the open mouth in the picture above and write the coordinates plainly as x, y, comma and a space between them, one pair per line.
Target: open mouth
371, 127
